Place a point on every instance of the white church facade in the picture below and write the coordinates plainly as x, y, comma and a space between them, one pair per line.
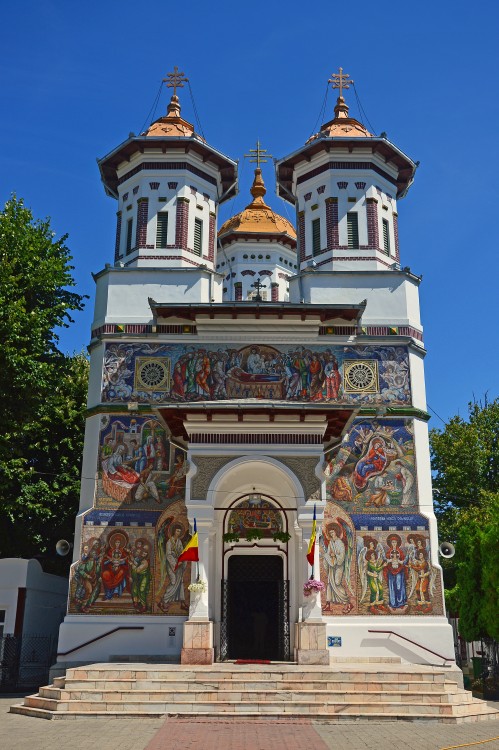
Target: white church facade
244, 376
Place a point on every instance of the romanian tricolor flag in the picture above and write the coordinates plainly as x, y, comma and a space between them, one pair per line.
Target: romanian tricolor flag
311, 544
190, 553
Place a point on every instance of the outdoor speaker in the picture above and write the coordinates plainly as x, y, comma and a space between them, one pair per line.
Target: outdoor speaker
62, 547
447, 549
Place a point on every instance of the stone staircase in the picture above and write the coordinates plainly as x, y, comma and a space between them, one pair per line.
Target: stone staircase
341, 692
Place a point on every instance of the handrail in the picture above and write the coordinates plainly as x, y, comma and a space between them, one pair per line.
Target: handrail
392, 632
97, 638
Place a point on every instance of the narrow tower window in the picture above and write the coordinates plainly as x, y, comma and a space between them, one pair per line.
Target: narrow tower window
198, 236
353, 229
162, 229
129, 235
316, 236
386, 237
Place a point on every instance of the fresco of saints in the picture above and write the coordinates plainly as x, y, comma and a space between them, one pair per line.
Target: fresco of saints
140, 575
406, 479
333, 378
169, 552
373, 463
337, 552
87, 576
115, 566
396, 572
370, 562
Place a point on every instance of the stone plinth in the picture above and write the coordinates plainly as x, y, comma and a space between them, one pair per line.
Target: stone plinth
311, 643
198, 643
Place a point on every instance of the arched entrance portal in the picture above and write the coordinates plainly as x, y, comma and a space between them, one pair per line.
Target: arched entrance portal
255, 616
256, 608
256, 501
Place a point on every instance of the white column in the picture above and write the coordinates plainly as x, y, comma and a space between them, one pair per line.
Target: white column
198, 610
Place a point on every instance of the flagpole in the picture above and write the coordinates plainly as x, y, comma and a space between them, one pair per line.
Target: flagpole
311, 546
197, 561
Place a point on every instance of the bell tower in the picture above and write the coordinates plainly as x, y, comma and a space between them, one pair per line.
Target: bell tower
345, 183
168, 183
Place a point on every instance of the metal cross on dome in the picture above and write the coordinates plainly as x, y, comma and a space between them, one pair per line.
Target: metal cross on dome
340, 81
258, 286
258, 155
175, 80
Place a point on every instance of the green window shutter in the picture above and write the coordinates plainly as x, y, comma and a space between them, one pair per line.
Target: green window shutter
129, 235
316, 236
162, 229
198, 236
386, 237
353, 229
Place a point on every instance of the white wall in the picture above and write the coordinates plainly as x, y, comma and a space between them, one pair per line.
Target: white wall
46, 596
122, 293
392, 296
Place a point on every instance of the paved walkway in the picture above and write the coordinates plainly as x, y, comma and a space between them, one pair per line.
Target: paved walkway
25, 733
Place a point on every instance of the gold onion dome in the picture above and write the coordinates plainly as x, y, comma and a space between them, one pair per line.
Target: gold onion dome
171, 125
257, 217
342, 126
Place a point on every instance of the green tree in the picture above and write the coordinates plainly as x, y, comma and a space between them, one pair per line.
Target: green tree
42, 391
465, 461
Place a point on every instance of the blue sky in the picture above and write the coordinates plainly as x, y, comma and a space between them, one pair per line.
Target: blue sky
75, 79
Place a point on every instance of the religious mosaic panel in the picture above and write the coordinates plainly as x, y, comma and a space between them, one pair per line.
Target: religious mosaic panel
375, 467
138, 527
161, 373
138, 467
377, 565
253, 516
128, 563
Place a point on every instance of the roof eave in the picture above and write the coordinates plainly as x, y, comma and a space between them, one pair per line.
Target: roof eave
108, 164
290, 162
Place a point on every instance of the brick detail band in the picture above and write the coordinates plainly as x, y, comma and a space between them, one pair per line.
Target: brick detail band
182, 223
140, 328
301, 235
345, 165
118, 237
172, 166
274, 291
339, 258
168, 257
371, 331
142, 216
372, 223
332, 233
396, 235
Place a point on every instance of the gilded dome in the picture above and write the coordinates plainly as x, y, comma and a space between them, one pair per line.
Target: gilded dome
171, 125
342, 126
257, 217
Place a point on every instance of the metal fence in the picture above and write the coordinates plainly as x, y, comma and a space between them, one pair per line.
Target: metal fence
25, 661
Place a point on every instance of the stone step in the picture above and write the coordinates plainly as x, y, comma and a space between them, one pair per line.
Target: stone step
194, 695
344, 718
271, 674
342, 692
238, 685
358, 707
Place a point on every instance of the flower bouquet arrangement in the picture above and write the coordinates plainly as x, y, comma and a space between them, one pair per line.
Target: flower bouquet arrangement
312, 587
198, 587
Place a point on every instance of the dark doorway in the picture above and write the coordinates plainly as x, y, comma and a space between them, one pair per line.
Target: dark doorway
256, 617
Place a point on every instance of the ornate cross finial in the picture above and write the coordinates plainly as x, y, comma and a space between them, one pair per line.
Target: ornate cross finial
175, 80
340, 81
258, 285
258, 155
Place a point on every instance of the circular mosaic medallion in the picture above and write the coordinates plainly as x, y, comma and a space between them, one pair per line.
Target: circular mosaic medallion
361, 376
153, 374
